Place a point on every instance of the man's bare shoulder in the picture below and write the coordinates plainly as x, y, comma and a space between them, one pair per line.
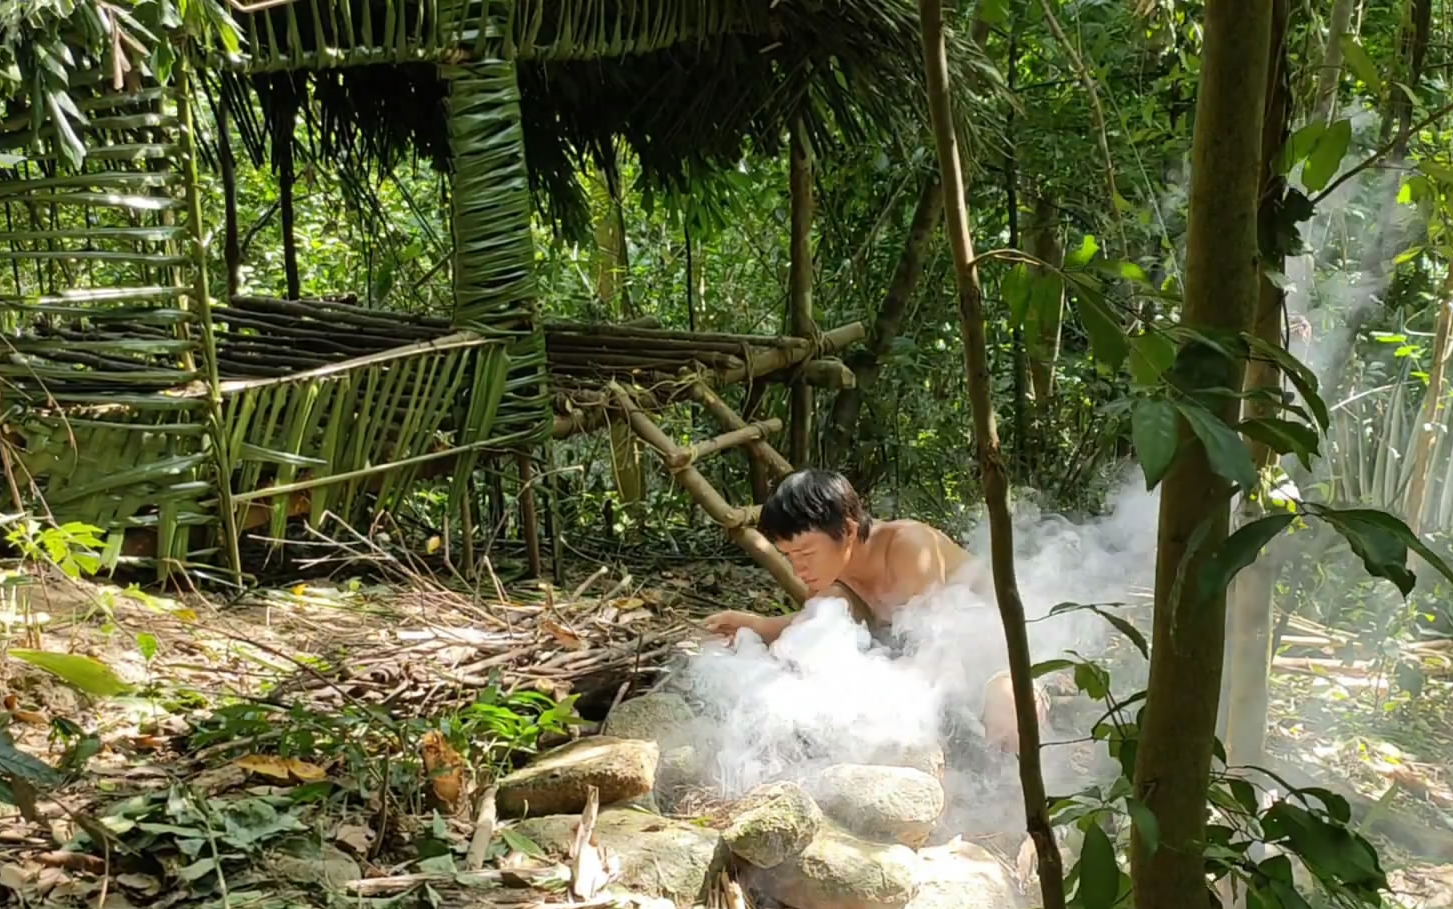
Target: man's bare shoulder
909, 533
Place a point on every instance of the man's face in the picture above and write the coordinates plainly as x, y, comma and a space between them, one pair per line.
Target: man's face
817, 558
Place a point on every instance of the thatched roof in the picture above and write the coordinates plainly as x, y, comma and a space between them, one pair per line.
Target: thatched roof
688, 87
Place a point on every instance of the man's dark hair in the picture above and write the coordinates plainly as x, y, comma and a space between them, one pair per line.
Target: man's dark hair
810, 499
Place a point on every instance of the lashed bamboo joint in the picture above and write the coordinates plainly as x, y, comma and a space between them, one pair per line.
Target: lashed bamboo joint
684, 457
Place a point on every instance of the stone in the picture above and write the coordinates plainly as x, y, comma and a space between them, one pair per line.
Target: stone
897, 804
659, 857
961, 875
556, 781
678, 770
772, 823
840, 871
927, 758
652, 717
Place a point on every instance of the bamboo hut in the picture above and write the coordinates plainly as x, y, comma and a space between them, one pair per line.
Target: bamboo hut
156, 399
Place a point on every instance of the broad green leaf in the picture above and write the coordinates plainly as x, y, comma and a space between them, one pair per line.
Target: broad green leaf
1383, 554
1239, 551
16, 764
1300, 144
1327, 156
1015, 290
1099, 872
146, 643
1284, 437
1151, 354
1093, 680
1225, 451
1154, 434
80, 672
1443, 173
1380, 523
1124, 627
521, 843
1332, 852
1299, 373
1361, 64
1107, 339
1044, 668
1082, 256
994, 12
1145, 824
1337, 806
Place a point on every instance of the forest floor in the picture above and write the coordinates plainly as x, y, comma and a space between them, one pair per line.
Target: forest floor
248, 752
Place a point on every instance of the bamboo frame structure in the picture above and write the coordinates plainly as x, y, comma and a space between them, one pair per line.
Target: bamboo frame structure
155, 402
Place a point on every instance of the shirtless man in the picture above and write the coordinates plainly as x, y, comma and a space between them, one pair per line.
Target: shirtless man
818, 522
815, 518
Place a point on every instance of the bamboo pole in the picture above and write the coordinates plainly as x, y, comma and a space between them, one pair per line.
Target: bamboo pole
761, 449
724, 442
220, 449
529, 522
734, 520
800, 284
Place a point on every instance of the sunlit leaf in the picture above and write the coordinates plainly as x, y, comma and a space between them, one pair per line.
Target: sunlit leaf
1326, 157
80, 672
1361, 64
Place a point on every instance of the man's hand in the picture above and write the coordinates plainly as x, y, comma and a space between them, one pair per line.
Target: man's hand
726, 624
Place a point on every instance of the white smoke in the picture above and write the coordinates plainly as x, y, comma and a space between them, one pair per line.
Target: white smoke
825, 692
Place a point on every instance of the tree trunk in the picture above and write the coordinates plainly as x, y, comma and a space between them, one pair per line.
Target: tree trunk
1043, 236
1245, 694
1414, 53
1331, 72
848, 404
800, 289
1173, 760
286, 178
612, 257
993, 474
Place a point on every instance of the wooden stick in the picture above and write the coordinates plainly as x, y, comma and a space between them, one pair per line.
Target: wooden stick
723, 442
529, 522
483, 832
629, 331
711, 501
728, 418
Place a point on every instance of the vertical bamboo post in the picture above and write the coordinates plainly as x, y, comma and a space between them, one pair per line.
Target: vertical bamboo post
529, 522
800, 286
220, 447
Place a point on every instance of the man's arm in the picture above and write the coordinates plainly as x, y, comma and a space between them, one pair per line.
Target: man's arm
770, 627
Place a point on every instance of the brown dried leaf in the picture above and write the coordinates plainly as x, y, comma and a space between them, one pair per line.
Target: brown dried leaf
445, 769
355, 837
281, 769
562, 635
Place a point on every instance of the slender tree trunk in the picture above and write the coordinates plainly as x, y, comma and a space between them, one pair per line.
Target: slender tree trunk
1331, 71
799, 283
1044, 244
848, 404
1245, 694
286, 179
1414, 54
1173, 760
993, 475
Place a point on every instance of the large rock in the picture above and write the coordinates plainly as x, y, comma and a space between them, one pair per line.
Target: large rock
961, 875
653, 717
556, 782
897, 804
658, 856
772, 823
839, 871
927, 758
